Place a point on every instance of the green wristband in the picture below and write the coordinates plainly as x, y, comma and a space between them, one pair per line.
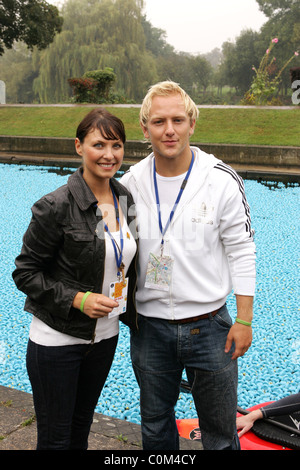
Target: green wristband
243, 322
83, 300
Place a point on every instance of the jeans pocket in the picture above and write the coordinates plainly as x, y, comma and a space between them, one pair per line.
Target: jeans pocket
223, 318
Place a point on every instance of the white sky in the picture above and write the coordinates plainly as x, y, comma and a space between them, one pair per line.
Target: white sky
198, 26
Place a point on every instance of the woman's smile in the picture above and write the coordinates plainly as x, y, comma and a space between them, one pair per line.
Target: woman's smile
102, 157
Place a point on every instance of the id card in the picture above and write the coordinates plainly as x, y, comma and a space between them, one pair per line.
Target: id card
118, 292
159, 272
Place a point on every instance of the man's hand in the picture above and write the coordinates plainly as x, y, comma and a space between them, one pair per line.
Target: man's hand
241, 335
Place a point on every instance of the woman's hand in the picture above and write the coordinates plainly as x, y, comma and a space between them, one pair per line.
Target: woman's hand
95, 305
246, 422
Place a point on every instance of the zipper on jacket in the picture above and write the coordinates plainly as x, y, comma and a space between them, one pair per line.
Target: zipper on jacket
134, 289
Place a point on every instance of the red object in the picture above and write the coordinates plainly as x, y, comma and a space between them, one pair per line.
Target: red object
189, 429
250, 441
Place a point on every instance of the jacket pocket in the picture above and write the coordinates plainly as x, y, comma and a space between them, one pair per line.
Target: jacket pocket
84, 287
79, 247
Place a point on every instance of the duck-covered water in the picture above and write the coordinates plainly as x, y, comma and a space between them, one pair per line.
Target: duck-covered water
268, 371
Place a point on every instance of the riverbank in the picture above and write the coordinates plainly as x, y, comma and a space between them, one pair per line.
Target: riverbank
250, 161
275, 126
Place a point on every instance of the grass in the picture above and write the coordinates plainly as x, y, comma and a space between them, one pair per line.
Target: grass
231, 126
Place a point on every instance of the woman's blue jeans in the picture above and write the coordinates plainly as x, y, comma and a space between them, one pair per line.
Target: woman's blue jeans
160, 352
66, 384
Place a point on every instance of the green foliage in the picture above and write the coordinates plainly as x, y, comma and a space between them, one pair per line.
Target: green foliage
272, 7
238, 60
115, 34
266, 79
35, 22
202, 72
83, 89
240, 57
93, 87
284, 24
17, 72
97, 34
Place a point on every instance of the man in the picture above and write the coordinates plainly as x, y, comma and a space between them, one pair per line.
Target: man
195, 244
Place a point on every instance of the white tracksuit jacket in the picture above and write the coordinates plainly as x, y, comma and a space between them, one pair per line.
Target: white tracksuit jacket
210, 239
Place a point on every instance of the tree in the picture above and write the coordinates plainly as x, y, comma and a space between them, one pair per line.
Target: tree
33, 21
214, 57
97, 34
284, 21
17, 72
177, 67
272, 8
284, 24
202, 72
156, 40
239, 58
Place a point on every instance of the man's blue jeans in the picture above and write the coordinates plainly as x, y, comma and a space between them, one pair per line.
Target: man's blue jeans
66, 383
160, 352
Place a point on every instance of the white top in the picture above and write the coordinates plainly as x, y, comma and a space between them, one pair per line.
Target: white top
168, 189
44, 335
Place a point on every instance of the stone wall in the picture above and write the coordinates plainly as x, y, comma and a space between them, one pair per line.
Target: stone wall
48, 147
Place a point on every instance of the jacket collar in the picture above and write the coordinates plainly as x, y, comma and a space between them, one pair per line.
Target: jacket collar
81, 192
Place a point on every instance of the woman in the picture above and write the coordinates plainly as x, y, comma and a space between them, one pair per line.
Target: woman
78, 249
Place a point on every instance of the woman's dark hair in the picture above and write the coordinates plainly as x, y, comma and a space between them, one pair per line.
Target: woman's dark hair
110, 126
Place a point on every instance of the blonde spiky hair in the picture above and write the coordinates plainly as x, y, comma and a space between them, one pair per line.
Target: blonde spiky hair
165, 89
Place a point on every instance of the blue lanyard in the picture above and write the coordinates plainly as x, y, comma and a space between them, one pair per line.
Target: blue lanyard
163, 231
119, 256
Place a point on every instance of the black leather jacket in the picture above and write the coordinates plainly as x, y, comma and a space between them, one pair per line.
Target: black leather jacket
62, 254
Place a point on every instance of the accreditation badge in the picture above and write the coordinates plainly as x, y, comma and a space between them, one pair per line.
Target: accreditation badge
118, 292
159, 272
